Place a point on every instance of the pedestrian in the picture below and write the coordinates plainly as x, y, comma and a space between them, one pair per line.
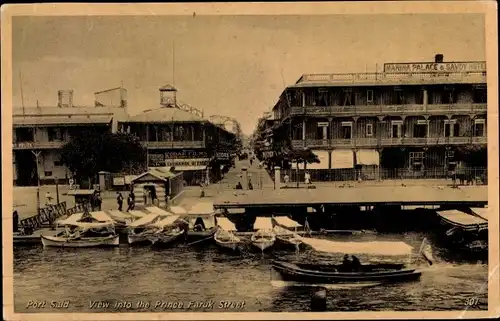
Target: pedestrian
98, 201
15, 221
307, 178
132, 195
119, 200
48, 199
130, 202
250, 185
287, 179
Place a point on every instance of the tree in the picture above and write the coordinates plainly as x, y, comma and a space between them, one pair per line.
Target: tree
305, 156
474, 155
87, 154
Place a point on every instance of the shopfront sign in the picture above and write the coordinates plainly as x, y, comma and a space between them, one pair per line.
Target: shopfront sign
195, 162
222, 155
468, 66
162, 159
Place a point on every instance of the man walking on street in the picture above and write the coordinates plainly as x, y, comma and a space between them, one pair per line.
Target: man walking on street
119, 200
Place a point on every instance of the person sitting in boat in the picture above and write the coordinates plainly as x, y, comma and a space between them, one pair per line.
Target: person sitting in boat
199, 225
356, 264
346, 263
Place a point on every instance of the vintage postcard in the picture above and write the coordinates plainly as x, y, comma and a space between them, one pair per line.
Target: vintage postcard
250, 161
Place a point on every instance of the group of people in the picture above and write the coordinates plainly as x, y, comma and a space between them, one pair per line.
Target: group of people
240, 186
130, 201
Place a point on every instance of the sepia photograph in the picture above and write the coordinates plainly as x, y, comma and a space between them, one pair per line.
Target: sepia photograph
241, 158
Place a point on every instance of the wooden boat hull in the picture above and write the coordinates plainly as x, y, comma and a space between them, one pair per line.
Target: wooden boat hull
202, 236
54, 241
230, 245
139, 239
289, 243
263, 243
168, 239
292, 272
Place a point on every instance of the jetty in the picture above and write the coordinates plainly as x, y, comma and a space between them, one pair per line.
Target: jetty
471, 196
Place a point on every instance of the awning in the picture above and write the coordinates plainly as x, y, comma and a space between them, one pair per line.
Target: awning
286, 222
226, 224
367, 157
482, 212
158, 211
459, 218
342, 159
146, 220
167, 221
101, 216
371, 248
70, 220
137, 214
324, 159
178, 210
202, 208
263, 223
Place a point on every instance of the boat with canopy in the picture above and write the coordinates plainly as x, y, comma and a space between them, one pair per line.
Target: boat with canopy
86, 229
201, 223
264, 237
350, 270
286, 232
224, 236
467, 231
142, 231
167, 231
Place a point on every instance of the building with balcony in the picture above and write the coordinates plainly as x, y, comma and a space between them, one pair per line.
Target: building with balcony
409, 120
43, 131
177, 135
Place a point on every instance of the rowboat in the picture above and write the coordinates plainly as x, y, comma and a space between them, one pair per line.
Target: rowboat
167, 231
84, 230
201, 223
353, 272
264, 237
142, 231
224, 236
284, 236
466, 231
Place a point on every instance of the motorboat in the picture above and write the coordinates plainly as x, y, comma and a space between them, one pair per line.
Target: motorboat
84, 230
224, 236
353, 271
284, 235
265, 236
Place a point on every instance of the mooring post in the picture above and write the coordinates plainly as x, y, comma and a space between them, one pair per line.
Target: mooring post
318, 299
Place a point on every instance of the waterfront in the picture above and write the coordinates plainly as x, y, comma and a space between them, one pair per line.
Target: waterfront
184, 274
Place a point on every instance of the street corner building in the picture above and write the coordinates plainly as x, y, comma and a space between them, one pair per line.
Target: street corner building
176, 137
411, 120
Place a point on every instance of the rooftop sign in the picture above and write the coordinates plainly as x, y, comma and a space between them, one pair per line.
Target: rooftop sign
466, 66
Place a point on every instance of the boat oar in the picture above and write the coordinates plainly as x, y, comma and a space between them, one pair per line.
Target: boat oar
195, 242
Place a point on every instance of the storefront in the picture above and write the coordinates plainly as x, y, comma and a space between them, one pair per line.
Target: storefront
193, 163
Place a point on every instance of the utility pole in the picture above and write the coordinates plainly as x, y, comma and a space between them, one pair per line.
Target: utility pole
37, 154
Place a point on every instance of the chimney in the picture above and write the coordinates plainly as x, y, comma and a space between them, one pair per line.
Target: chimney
438, 58
65, 98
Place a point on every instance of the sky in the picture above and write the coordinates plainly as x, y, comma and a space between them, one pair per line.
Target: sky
235, 66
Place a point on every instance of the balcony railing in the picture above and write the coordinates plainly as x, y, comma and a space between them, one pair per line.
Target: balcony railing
175, 144
38, 145
404, 77
407, 109
386, 142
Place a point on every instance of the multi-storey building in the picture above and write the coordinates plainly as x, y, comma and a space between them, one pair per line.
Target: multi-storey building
40, 132
411, 119
176, 135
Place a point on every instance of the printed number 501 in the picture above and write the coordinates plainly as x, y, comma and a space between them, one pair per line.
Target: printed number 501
471, 302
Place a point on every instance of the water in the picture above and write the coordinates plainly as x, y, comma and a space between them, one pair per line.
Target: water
179, 275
